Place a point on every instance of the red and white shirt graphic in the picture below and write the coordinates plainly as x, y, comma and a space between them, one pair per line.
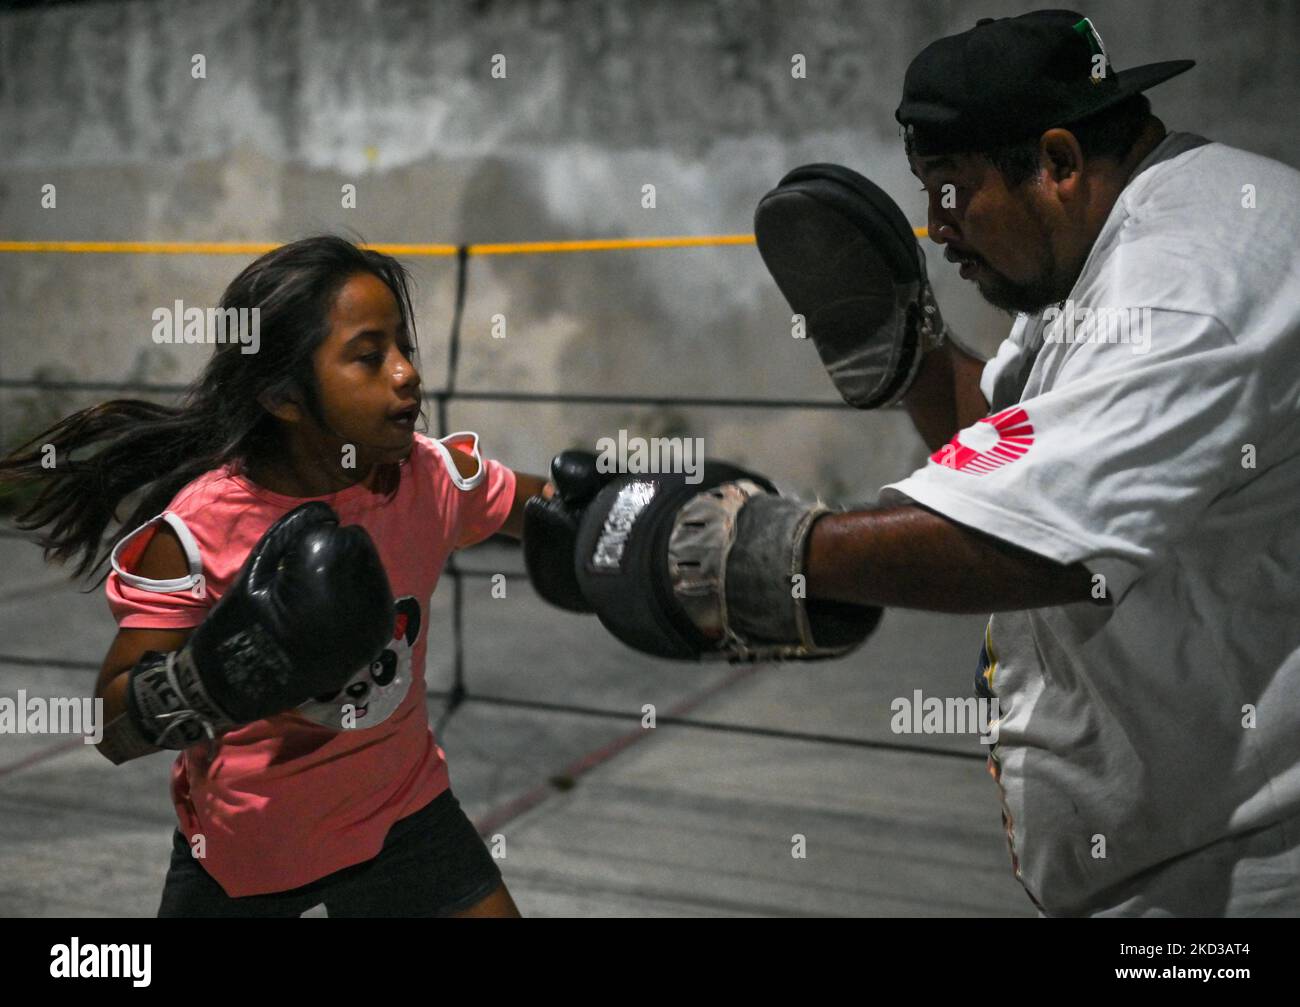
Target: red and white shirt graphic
989, 444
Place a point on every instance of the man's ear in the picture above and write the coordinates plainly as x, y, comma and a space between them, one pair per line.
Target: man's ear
281, 405
1060, 150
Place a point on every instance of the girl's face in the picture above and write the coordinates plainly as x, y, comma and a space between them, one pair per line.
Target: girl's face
369, 388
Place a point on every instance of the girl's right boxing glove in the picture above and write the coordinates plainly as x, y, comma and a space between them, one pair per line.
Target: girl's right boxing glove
312, 604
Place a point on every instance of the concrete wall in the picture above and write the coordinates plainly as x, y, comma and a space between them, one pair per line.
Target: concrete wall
599, 99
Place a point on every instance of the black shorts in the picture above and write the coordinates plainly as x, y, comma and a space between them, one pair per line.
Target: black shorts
433, 863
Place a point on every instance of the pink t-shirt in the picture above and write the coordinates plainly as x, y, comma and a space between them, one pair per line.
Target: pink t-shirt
284, 801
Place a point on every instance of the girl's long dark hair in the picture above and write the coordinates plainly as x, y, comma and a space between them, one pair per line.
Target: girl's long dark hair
154, 449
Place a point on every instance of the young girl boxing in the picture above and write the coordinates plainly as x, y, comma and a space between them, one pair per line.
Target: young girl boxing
272, 584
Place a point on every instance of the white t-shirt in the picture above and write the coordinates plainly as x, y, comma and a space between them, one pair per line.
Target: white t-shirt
1149, 751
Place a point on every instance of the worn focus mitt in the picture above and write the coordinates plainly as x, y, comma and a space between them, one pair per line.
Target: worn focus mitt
713, 569
846, 259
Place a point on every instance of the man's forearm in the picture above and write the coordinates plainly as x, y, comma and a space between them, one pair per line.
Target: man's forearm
909, 557
946, 396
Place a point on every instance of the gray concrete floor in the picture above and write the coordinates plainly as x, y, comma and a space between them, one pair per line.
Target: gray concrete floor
600, 818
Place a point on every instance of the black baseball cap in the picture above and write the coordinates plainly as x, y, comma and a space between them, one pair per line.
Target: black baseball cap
1011, 78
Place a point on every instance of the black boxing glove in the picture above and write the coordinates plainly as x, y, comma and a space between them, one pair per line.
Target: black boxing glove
551, 528
312, 604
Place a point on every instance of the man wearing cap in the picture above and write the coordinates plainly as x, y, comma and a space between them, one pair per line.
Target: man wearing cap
1119, 485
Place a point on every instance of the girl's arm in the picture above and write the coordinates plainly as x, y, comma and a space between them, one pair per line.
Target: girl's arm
525, 486
163, 559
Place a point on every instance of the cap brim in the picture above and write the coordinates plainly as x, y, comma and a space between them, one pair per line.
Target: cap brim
1142, 77
1127, 83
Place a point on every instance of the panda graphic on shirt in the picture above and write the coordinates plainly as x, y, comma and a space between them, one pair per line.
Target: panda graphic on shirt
375, 691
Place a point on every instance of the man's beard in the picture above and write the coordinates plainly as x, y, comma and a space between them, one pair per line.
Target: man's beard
1049, 287
1029, 298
